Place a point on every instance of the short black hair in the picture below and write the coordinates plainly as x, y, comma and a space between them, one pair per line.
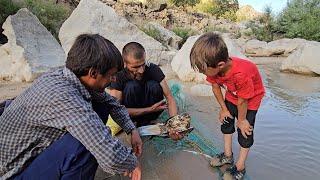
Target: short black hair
133, 49
208, 51
93, 51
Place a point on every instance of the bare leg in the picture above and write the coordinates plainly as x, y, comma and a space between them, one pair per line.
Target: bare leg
242, 158
227, 144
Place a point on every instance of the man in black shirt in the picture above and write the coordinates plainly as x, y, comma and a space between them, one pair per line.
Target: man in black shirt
141, 87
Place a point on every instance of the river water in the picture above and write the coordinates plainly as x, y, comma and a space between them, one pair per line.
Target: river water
287, 135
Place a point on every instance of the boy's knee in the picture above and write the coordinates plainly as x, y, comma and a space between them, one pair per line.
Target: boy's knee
228, 128
245, 142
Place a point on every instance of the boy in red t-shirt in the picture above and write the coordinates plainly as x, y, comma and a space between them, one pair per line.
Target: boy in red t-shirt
244, 92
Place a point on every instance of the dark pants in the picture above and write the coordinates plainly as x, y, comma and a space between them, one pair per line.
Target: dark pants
65, 159
229, 128
138, 95
4, 105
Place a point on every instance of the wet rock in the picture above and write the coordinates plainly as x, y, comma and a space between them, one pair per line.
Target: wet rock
305, 60
93, 16
31, 49
282, 47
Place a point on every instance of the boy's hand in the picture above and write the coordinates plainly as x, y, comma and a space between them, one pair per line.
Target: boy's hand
245, 128
224, 114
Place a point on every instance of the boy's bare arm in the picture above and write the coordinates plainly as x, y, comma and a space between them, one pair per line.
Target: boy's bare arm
243, 124
224, 113
242, 108
218, 94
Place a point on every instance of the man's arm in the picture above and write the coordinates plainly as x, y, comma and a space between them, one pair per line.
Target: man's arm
121, 116
118, 112
172, 106
78, 118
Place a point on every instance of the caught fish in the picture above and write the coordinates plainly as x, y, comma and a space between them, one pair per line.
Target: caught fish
179, 123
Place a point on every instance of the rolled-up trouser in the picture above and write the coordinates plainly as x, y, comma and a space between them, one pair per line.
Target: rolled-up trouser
229, 128
142, 95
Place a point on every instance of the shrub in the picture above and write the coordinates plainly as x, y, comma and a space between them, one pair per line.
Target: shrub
51, 15
184, 2
153, 33
219, 8
7, 7
265, 30
215, 28
184, 33
301, 18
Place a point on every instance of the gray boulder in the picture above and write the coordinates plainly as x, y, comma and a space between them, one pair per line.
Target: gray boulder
282, 47
93, 16
305, 60
31, 49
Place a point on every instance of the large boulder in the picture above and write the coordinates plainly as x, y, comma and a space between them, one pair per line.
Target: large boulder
305, 60
181, 62
165, 36
255, 47
31, 49
282, 47
93, 16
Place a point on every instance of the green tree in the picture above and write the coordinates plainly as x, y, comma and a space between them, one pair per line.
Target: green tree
301, 18
264, 31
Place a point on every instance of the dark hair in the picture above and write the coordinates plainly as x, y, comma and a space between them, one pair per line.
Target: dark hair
208, 51
93, 51
133, 49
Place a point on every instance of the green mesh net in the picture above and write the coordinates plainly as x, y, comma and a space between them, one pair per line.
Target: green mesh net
194, 142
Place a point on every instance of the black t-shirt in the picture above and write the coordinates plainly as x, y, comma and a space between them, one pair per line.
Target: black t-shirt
152, 72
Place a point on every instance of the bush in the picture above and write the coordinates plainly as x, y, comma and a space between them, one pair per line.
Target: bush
215, 28
50, 14
219, 8
7, 7
264, 31
184, 33
300, 19
152, 32
184, 2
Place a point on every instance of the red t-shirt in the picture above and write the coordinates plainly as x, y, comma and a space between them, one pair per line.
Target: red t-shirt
243, 80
